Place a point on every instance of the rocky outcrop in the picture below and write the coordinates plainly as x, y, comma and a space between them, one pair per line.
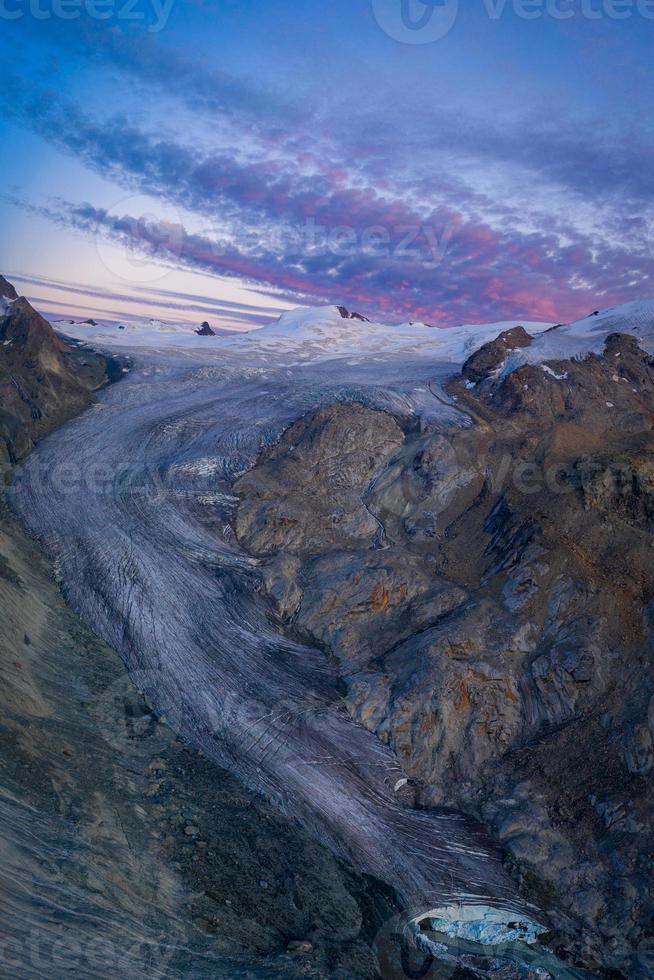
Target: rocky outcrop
205, 331
488, 359
487, 595
307, 494
43, 380
356, 604
346, 315
329, 567
7, 291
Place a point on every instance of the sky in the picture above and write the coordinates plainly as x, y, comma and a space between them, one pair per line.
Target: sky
442, 161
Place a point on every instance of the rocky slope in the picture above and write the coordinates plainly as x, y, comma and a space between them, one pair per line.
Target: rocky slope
486, 593
43, 380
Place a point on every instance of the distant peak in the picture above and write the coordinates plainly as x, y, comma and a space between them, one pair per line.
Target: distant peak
345, 313
7, 291
205, 331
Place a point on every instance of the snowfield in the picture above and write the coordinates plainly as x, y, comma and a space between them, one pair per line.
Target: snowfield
150, 334
306, 334
320, 332
310, 334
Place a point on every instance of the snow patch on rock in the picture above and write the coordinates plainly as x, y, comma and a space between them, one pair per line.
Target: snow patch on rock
548, 370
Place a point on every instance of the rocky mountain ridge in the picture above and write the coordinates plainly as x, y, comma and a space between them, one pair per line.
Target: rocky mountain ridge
486, 592
43, 379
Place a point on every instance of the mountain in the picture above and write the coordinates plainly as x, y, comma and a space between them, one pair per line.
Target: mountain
586, 336
205, 331
346, 315
7, 292
486, 592
323, 331
326, 331
43, 380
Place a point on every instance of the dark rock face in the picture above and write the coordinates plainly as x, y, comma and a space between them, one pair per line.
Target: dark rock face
43, 381
490, 357
7, 291
205, 331
487, 594
354, 603
306, 495
321, 537
345, 313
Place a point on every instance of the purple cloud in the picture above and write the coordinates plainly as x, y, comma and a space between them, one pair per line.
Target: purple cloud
326, 227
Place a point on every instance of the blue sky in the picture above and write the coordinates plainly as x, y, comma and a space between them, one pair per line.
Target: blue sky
248, 156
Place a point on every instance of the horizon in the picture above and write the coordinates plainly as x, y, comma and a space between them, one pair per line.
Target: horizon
441, 174
79, 318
